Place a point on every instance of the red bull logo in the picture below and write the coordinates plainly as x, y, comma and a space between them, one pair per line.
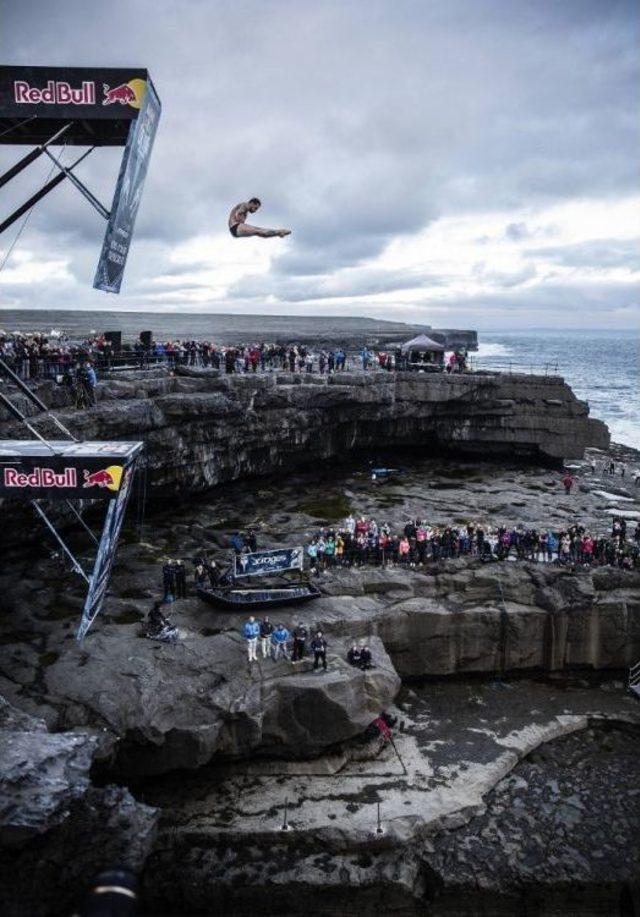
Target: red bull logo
40, 477
106, 477
56, 92
130, 93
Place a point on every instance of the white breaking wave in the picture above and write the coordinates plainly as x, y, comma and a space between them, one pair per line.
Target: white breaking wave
624, 430
492, 349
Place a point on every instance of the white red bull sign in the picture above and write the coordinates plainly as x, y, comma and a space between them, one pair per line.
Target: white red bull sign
74, 481
54, 92
41, 477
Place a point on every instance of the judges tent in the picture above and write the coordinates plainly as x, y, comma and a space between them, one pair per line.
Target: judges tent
422, 344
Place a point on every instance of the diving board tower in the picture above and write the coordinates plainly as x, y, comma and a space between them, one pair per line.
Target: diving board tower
43, 471
89, 107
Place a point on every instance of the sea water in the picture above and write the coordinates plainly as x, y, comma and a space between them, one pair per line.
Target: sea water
600, 366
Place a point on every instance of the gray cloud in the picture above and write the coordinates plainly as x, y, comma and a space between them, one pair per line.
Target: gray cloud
598, 253
355, 123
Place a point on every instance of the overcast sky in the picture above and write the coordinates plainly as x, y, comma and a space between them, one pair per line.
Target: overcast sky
469, 163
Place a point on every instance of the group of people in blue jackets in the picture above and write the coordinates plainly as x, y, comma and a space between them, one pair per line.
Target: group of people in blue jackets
275, 641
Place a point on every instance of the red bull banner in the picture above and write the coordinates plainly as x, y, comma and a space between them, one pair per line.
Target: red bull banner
64, 470
47, 97
106, 553
128, 193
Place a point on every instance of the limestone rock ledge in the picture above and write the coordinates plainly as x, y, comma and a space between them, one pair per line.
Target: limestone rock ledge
202, 429
166, 707
468, 617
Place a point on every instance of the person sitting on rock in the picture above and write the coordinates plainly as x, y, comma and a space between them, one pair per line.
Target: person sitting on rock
279, 640
159, 627
319, 647
251, 632
365, 658
155, 619
354, 654
300, 635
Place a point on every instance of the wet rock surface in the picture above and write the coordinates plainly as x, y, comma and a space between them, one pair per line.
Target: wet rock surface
567, 814
473, 767
270, 739
56, 829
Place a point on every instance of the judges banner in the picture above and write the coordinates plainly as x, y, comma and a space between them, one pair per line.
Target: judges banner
263, 563
128, 193
106, 554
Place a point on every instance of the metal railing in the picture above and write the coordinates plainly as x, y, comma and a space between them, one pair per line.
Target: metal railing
514, 367
634, 678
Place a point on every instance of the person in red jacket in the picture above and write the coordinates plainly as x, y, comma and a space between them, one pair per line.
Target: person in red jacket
568, 481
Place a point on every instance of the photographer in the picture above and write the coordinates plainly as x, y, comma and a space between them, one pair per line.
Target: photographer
86, 381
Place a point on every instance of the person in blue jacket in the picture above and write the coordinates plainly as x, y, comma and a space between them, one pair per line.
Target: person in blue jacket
279, 642
251, 632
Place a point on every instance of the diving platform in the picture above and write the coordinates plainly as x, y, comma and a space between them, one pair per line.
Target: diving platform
42, 471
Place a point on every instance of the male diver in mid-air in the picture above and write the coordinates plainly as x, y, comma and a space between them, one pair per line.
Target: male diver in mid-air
238, 226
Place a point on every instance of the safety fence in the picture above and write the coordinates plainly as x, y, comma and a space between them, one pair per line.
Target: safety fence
513, 367
56, 365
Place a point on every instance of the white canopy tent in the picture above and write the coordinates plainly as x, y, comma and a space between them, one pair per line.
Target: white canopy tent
422, 343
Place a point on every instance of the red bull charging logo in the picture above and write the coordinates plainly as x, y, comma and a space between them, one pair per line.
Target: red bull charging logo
130, 93
106, 477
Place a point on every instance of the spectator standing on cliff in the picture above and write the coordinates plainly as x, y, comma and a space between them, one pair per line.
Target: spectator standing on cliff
568, 482
168, 580
319, 648
300, 635
88, 380
180, 574
354, 655
279, 642
266, 630
251, 632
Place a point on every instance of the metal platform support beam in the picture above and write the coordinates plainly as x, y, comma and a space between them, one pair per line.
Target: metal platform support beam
13, 410
33, 200
76, 566
32, 156
82, 188
31, 395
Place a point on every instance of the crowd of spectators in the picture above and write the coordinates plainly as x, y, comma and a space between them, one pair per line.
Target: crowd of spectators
53, 355
40, 356
361, 542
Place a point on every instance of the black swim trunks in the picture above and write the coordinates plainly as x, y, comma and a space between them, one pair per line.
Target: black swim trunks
234, 229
